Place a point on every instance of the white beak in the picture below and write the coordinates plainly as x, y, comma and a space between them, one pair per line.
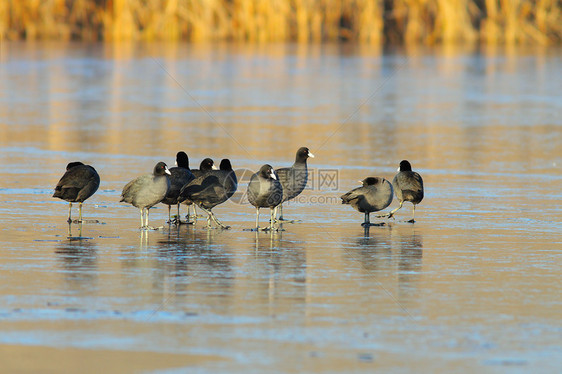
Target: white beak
361, 182
310, 154
273, 175
167, 171
214, 167
176, 163
398, 169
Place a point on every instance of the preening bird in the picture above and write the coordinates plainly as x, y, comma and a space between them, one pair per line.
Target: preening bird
265, 191
78, 183
375, 194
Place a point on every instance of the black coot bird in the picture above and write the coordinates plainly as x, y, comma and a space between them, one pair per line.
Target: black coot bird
211, 189
179, 177
265, 191
294, 179
408, 186
147, 190
205, 166
375, 194
78, 183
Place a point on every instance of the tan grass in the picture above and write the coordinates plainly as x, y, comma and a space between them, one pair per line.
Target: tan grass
303, 21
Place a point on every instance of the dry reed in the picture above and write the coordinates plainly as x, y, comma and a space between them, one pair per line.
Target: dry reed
365, 21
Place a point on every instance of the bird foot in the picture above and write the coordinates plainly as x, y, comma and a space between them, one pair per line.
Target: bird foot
366, 224
411, 221
222, 227
177, 221
77, 238
84, 221
273, 229
264, 229
190, 220
180, 222
388, 216
281, 219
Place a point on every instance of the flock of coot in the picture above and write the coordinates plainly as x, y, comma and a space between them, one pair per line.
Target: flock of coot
210, 186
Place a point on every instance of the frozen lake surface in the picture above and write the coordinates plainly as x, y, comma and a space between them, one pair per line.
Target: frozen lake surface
473, 286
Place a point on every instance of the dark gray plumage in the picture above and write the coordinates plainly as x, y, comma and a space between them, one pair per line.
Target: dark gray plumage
211, 189
179, 177
205, 166
265, 191
375, 194
147, 190
408, 186
78, 183
294, 178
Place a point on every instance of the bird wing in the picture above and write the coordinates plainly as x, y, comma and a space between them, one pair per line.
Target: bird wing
418, 180
199, 187
283, 175
408, 186
89, 189
354, 194
77, 177
132, 188
179, 178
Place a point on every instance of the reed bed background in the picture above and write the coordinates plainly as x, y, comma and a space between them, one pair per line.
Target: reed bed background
366, 21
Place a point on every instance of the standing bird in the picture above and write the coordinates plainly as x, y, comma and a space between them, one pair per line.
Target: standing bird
205, 166
179, 177
211, 189
408, 186
375, 194
265, 191
147, 190
294, 178
78, 183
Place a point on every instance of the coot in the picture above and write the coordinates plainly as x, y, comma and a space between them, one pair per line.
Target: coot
179, 177
294, 178
408, 186
147, 190
265, 191
205, 166
78, 183
375, 194
211, 189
